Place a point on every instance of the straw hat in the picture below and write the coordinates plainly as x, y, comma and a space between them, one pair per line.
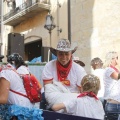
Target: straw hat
63, 45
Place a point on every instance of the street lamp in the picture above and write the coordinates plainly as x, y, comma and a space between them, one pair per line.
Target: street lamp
49, 25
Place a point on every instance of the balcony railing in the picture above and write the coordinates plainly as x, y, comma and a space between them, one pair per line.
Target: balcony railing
26, 7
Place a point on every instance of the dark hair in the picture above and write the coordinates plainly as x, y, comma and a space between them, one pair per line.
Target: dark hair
17, 59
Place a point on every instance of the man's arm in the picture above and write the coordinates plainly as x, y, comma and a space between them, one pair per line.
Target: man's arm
4, 90
47, 74
48, 81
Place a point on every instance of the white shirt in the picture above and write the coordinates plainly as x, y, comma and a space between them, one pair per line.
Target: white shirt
23, 70
16, 84
75, 75
100, 73
57, 93
86, 107
112, 86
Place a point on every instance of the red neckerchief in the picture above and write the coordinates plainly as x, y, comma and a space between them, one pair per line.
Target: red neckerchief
91, 94
114, 68
63, 72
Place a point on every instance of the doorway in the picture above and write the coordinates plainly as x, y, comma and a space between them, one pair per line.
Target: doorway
33, 49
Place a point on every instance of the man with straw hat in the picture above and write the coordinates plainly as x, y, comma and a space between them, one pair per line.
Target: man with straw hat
63, 70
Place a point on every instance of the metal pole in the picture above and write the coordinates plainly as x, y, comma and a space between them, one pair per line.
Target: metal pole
50, 46
50, 38
58, 17
69, 20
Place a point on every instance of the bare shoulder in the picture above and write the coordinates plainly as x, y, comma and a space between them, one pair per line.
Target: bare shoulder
4, 82
4, 90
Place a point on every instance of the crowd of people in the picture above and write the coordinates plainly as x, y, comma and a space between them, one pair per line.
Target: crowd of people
68, 88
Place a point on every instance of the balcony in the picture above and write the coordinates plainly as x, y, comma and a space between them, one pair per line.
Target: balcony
25, 11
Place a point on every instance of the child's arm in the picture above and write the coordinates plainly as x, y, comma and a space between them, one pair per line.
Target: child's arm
58, 106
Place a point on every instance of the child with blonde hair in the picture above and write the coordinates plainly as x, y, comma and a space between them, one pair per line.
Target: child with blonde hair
86, 104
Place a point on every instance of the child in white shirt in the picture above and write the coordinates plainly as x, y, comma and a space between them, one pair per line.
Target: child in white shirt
86, 104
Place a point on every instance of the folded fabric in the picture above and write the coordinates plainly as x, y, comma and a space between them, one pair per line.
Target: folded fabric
57, 93
61, 87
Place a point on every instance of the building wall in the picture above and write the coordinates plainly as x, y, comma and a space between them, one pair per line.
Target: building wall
95, 28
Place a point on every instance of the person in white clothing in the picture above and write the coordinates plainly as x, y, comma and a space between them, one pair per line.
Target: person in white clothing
97, 65
11, 81
112, 85
86, 104
63, 69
